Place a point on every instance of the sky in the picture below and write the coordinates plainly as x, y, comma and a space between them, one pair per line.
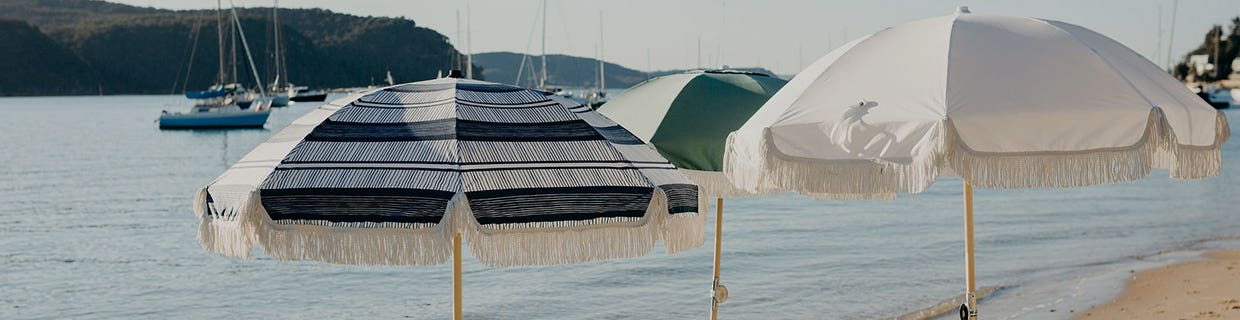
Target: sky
780, 35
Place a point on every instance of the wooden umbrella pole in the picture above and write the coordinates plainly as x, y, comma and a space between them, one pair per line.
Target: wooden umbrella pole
456, 276
714, 297
970, 278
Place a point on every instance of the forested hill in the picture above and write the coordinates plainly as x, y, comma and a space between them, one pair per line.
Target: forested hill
562, 70
58, 47
567, 71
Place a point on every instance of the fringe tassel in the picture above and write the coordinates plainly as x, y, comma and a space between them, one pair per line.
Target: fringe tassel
370, 243
1057, 169
867, 179
1197, 162
714, 184
356, 243
848, 179
684, 231
549, 243
218, 235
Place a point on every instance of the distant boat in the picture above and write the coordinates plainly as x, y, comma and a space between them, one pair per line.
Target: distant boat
598, 96
215, 91
281, 93
216, 116
223, 105
542, 75
1220, 98
280, 99
309, 96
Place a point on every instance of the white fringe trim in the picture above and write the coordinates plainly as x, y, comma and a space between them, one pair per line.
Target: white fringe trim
217, 235
561, 242
356, 243
866, 179
715, 184
833, 180
1198, 162
684, 231
538, 243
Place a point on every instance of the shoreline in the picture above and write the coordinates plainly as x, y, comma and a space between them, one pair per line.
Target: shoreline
1202, 289
1072, 292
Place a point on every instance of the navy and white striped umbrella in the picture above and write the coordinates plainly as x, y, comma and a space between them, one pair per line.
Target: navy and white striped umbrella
390, 176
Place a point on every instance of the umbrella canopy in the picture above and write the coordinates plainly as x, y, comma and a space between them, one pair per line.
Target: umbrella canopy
1003, 102
390, 176
687, 117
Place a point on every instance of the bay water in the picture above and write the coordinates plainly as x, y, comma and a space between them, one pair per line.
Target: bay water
96, 223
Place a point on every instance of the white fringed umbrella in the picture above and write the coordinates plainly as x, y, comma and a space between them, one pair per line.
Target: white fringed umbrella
687, 118
1003, 102
395, 177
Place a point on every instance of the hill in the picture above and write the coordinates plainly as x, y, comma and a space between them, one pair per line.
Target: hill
39, 63
133, 50
567, 71
562, 70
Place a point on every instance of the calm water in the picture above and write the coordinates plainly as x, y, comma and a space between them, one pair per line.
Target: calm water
95, 222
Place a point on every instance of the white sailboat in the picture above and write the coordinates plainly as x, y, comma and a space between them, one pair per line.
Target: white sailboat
542, 76
598, 96
280, 92
226, 111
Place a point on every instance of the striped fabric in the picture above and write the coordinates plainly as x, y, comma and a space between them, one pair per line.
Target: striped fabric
518, 159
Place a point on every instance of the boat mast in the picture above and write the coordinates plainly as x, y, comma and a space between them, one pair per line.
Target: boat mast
469, 42
1171, 37
602, 81
456, 59
232, 53
219, 31
1218, 37
542, 82
257, 80
275, 17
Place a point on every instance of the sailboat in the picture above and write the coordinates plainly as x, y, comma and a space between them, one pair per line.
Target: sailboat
213, 110
542, 76
304, 94
596, 97
280, 94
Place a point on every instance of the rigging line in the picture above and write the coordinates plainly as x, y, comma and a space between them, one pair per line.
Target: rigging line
177, 78
193, 40
189, 70
528, 44
248, 57
568, 40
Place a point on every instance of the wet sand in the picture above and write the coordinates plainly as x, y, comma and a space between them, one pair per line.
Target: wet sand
1208, 289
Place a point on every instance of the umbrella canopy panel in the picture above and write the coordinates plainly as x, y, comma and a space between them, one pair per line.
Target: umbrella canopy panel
688, 116
1004, 102
388, 177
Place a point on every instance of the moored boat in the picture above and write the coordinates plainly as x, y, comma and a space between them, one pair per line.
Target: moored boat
309, 96
215, 116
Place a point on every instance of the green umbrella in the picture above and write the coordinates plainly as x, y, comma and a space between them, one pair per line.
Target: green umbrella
687, 117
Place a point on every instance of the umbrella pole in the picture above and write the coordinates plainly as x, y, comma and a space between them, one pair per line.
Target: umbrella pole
719, 293
456, 276
969, 309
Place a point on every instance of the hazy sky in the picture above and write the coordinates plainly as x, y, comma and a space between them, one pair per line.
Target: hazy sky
782, 35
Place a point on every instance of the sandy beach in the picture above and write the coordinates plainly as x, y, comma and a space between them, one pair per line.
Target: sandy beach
1207, 289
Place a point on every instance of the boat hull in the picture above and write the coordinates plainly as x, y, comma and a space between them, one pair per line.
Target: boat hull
312, 97
214, 120
206, 94
279, 100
